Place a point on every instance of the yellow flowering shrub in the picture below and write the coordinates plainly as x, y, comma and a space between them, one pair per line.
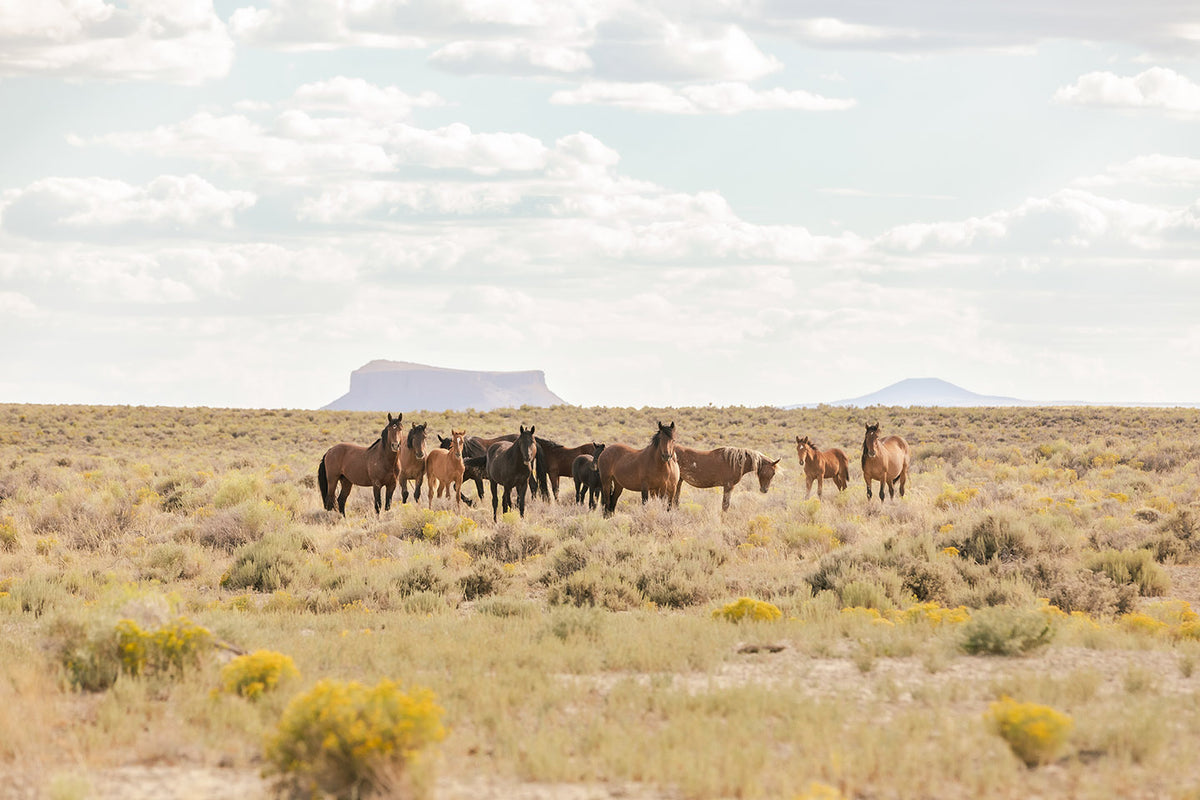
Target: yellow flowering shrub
816, 790
747, 608
171, 648
1035, 733
257, 673
952, 497
344, 738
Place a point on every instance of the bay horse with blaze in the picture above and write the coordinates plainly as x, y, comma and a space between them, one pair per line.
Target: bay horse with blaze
884, 460
653, 470
347, 465
821, 464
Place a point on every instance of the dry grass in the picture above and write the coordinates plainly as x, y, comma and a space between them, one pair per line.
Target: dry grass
572, 652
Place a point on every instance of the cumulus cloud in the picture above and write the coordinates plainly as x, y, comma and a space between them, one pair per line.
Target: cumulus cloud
1150, 170
719, 98
1156, 89
175, 41
511, 58
167, 205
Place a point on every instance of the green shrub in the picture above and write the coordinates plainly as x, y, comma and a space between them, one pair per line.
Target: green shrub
1135, 567
998, 537
253, 675
93, 658
1006, 631
349, 740
484, 579
268, 565
1035, 733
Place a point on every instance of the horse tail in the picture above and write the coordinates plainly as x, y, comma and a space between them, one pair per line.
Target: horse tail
844, 472
323, 485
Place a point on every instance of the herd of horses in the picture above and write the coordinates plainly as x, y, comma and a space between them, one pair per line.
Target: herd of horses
528, 464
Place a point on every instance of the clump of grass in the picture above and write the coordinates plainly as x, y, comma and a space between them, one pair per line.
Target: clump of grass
1135, 567
253, 675
352, 741
1035, 733
269, 564
1006, 631
747, 609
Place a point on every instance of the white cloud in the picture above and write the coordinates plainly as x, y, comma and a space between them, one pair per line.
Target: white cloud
1152, 170
1156, 89
175, 41
719, 98
358, 97
511, 58
16, 304
167, 205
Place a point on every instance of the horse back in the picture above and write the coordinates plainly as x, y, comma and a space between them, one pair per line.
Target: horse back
348, 460
705, 469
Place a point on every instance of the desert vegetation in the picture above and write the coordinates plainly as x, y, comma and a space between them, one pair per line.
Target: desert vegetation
177, 606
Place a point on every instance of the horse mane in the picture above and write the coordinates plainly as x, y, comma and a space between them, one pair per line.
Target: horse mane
738, 457
544, 442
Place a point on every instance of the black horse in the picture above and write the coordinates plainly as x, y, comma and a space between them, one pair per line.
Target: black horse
512, 465
476, 447
587, 477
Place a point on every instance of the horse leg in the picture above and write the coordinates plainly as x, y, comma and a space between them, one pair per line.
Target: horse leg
343, 493
377, 490
521, 498
808, 481
417, 490
493, 485
725, 498
820, 485
868, 480
403, 490
388, 490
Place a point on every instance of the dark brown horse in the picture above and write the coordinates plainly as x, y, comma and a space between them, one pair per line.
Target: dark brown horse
347, 465
444, 469
821, 464
559, 460
724, 467
586, 477
653, 470
511, 464
884, 460
476, 447
412, 461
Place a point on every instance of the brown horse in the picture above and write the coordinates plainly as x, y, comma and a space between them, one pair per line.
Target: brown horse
884, 460
476, 447
412, 461
511, 465
347, 465
724, 467
821, 464
586, 477
653, 470
559, 460
444, 469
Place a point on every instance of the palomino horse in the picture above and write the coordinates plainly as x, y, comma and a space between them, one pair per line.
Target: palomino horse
560, 460
821, 464
587, 477
653, 470
511, 464
412, 461
444, 469
884, 460
347, 465
724, 467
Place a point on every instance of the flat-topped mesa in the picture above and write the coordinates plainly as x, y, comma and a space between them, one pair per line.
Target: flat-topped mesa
381, 385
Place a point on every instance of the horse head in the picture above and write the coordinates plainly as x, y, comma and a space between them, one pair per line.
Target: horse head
416, 439
392, 433
766, 471
872, 436
664, 441
526, 446
803, 445
457, 438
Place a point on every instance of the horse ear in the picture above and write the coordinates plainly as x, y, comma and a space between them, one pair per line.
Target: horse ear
776, 461
532, 428
797, 440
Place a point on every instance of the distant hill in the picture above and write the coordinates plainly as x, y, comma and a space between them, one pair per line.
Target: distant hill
926, 392
403, 386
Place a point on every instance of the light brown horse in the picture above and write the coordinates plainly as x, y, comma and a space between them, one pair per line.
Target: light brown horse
412, 461
444, 469
821, 464
347, 465
884, 460
653, 470
724, 467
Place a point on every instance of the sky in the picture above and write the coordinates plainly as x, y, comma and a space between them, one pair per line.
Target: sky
658, 203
